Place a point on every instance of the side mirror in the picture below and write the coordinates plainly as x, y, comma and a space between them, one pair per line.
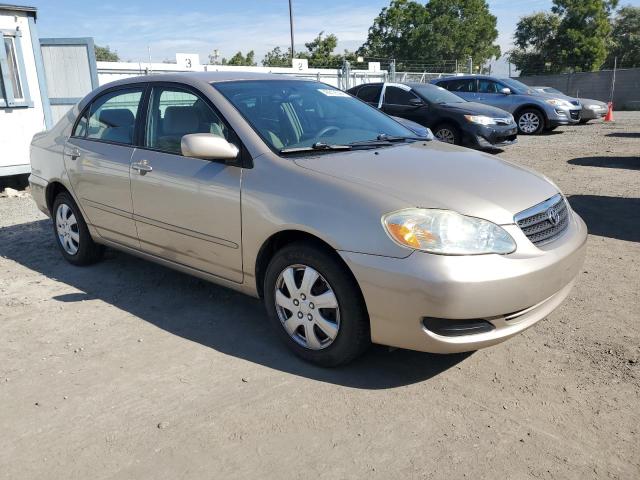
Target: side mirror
208, 146
505, 91
416, 102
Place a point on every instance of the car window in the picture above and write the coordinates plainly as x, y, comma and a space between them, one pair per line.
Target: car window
490, 86
370, 93
297, 114
397, 96
174, 113
112, 117
462, 86
80, 129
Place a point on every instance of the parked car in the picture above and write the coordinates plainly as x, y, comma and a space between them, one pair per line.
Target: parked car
591, 109
451, 118
534, 111
349, 228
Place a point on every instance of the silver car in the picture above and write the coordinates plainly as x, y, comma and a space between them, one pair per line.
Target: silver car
349, 227
591, 109
534, 111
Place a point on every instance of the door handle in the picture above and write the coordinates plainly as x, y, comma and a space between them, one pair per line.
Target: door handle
74, 153
142, 167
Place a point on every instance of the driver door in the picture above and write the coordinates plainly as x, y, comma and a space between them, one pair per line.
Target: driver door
396, 103
186, 210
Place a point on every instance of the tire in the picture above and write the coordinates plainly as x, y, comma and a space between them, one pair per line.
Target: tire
530, 122
327, 336
448, 133
584, 121
71, 233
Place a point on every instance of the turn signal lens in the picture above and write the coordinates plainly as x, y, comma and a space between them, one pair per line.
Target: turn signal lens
446, 232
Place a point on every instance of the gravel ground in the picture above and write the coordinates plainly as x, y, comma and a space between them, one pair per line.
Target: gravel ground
130, 370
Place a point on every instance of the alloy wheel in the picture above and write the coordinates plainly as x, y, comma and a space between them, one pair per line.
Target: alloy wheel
67, 229
445, 135
529, 122
307, 307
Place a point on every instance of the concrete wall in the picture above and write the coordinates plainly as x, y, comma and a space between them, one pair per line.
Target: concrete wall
19, 124
595, 85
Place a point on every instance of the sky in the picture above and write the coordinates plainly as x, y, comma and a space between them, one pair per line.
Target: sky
167, 27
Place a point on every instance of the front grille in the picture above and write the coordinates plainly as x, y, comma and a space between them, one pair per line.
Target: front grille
546, 221
575, 114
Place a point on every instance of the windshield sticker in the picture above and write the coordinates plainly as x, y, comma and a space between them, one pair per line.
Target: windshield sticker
333, 93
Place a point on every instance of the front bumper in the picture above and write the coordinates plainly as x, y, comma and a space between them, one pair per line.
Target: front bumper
563, 116
512, 292
590, 114
481, 136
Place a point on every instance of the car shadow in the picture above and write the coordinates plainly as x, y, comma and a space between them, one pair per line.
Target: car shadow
213, 316
624, 134
628, 163
613, 217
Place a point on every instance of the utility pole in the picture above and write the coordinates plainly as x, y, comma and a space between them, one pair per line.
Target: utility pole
293, 53
613, 80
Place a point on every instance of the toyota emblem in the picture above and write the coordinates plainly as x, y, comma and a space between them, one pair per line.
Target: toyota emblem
553, 216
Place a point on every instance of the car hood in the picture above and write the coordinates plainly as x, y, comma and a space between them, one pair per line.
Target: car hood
473, 108
438, 175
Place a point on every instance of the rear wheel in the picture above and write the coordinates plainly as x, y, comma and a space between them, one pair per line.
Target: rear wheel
530, 122
71, 233
447, 133
316, 305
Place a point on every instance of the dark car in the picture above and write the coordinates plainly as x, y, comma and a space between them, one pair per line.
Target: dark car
451, 119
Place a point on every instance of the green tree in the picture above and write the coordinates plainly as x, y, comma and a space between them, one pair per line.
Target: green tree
625, 37
574, 36
535, 42
277, 58
584, 32
240, 60
320, 52
420, 34
105, 54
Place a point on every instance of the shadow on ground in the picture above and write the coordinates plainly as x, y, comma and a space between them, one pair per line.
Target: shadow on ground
629, 163
613, 217
624, 134
213, 316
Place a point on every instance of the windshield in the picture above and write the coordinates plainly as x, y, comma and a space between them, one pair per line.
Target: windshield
516, 86
435, 94
290, 114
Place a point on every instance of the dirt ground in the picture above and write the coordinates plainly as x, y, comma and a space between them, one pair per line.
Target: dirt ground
129, 370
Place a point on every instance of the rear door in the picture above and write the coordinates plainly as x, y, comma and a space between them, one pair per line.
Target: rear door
370, 94
97, 158
464, 87
187, 210
397, 102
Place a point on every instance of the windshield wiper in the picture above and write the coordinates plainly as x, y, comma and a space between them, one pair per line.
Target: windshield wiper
383, 137
316, 147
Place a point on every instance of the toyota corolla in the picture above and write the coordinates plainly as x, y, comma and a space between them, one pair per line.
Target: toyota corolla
350, 227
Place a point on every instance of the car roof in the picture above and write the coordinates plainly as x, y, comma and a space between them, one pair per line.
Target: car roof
195, 79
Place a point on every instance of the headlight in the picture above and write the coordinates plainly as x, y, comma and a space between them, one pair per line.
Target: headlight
595, 107
480, 119
446, 232
559, 103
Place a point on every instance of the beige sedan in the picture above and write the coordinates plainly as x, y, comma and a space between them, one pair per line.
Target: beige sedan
352, 229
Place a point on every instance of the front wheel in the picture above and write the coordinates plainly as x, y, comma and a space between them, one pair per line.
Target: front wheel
71, 233
530, 122
316, 305
447, 133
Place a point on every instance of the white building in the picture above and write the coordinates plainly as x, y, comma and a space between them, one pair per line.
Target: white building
24, 107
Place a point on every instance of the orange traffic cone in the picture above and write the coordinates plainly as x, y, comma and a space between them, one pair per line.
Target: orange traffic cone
609, 116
